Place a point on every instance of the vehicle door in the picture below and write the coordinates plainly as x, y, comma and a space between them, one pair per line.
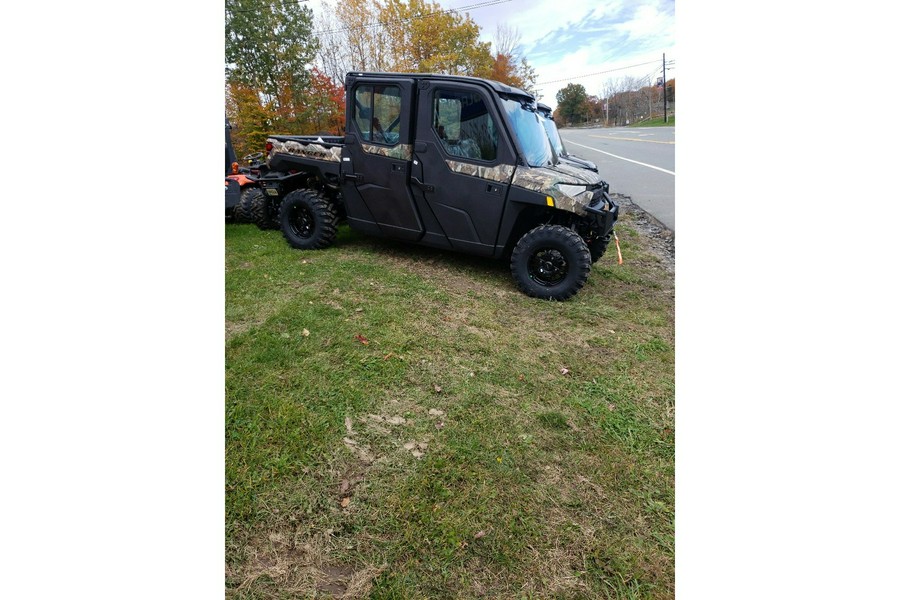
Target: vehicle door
463, 162
377, 158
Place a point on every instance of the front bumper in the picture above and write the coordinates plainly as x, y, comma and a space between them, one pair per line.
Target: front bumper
605, 211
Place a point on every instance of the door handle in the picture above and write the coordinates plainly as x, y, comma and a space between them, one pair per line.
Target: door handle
425, 186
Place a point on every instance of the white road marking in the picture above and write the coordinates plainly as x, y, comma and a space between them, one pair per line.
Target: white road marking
621, 157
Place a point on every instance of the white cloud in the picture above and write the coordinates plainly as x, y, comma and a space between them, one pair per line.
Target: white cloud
566, 39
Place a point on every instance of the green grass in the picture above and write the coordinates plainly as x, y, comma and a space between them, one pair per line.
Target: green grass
655, 122
480, 443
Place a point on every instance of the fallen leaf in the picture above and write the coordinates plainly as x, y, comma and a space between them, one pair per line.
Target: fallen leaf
388, 355
435, 412
521, 378
480, 534
345, 502
564, 371
438, 389
439, 425
345, 487
306, 333
362, 340
359, 310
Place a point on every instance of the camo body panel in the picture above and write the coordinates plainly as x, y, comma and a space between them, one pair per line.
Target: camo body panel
500, 173
307, 150
547, 180
400, 151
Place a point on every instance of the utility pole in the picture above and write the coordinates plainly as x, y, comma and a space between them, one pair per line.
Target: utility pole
665, 93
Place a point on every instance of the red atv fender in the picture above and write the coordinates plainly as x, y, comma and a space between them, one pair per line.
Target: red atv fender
241, 179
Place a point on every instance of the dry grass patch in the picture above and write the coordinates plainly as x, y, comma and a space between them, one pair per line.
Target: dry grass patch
435, 433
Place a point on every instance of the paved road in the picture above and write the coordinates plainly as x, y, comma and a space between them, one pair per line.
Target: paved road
637, 162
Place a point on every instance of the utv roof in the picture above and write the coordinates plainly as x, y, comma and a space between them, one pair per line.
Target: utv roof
501, 88
544, 109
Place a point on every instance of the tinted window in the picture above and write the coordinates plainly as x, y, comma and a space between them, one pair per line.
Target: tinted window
463, 124
531, 134
376, 113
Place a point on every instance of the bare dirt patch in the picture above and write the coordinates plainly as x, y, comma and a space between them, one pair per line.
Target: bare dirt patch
662, 239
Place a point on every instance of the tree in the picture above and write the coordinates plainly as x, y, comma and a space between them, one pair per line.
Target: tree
268, 45
425, 38
324, 106
251, 121
572, 104
393, 35
351, 39
670, 90
510, 67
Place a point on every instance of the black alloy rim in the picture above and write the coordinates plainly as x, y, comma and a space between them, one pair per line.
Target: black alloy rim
302, 223
548, 266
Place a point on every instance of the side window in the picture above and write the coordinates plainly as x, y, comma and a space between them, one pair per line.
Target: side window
463, 124
376, 113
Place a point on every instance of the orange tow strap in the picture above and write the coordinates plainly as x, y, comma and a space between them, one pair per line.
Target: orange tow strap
618, 249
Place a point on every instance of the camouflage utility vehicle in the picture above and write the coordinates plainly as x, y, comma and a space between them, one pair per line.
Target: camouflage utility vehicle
457, 163
546, 117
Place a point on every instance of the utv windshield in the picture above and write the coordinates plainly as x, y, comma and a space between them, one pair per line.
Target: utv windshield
553, 134
531, 134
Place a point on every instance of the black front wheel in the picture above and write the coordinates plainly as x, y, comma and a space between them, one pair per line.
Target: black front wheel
308, 220
551, 262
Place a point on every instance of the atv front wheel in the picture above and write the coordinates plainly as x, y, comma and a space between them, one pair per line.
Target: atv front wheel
551, 262
308, 220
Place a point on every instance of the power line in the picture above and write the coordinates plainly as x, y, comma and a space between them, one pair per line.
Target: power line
244, 10
597, 73
440, 12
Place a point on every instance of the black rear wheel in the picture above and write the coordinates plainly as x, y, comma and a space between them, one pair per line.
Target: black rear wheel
551, 262
308, 220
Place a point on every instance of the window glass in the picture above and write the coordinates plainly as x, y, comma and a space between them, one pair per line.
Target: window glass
531, 135
463, 124
376, 112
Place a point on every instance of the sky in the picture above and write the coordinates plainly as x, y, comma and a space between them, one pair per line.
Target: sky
581, 41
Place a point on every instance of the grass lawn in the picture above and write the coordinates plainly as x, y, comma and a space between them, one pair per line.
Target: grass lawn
403, 423
656, 122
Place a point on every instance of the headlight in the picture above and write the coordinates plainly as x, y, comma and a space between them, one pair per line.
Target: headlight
572, 191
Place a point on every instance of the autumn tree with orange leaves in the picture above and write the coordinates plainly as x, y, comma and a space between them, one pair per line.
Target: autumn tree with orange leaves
270, 48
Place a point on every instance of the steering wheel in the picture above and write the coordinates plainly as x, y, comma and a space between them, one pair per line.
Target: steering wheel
253, 157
